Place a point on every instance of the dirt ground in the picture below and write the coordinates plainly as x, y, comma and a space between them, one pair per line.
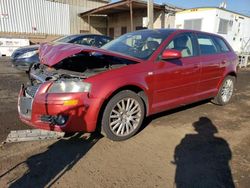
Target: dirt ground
200, 145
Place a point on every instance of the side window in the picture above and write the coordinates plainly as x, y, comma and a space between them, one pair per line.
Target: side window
100, 41
206, 45
88, 40
182, 43
221, 45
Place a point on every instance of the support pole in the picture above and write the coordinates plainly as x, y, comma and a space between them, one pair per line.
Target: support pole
150, 14
131, 17
107, 25
89, 23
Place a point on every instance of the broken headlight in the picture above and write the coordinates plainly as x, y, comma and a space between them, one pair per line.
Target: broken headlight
69, 87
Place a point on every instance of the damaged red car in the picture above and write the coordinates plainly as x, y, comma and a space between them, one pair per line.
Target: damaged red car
112, 89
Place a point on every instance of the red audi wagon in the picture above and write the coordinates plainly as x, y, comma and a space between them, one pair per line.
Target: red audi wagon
80, 88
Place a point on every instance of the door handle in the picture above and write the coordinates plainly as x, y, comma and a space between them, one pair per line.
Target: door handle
150, 73
223, 62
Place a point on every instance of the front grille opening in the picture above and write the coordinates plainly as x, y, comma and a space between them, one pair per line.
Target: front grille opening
31, 90
59, 120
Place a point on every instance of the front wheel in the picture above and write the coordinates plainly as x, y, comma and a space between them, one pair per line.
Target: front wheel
226, 91
123, 116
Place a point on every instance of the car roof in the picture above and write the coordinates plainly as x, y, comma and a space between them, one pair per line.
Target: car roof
189, 30
179, 31
88, 34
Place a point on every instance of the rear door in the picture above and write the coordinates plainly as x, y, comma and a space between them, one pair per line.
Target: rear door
212, 65
176, 81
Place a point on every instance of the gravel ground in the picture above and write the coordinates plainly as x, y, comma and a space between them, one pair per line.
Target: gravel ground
200, 145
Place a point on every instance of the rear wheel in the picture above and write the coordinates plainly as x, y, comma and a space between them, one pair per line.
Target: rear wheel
123, 116
226, 90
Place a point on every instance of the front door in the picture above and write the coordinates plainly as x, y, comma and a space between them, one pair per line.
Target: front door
176, 81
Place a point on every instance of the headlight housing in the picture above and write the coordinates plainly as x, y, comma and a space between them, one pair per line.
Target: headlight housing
27, 54
69, 87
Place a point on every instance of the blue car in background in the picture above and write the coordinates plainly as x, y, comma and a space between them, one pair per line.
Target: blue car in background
23, 58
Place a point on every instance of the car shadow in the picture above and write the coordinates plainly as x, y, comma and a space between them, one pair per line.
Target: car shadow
44, 169
202, 159
150, 118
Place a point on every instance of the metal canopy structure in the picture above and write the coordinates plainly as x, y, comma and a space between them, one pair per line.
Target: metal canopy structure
120, 6
124, 6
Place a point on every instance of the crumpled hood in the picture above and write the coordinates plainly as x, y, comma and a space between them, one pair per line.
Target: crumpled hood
52, 53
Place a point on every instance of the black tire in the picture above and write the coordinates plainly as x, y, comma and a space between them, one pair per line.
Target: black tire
123, 116
219, 100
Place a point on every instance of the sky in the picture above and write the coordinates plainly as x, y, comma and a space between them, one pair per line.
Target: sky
241, 6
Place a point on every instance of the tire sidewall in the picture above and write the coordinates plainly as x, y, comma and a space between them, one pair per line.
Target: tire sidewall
105, 128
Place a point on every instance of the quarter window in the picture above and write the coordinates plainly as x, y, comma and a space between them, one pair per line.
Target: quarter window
183, 44
221, 44
206, 45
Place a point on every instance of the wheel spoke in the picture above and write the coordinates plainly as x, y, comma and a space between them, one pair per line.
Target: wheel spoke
116, 125
114, 111
127, 128
130, 126
120, 107
133, 108
123, 127
134, 118
115, 116
131, 104
114, 122
120, 127
136, 111
128, 103
123, 105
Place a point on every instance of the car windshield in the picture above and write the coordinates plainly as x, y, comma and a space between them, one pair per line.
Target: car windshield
65, 39
139, 44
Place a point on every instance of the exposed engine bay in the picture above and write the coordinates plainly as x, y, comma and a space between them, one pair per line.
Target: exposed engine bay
78, 66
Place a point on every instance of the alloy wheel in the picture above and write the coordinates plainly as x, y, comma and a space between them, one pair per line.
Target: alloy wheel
125, 117
227, 90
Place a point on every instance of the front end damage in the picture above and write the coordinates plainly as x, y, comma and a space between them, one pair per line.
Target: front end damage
52, 111
57, 97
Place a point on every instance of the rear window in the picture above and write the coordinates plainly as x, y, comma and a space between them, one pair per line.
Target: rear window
206, 45
221, 45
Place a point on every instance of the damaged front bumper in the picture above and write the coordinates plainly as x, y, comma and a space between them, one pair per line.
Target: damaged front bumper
66, 112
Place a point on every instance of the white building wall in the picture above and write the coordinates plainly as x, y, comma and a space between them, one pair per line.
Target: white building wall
34, 16
238, 32
208, 19
45, 17
246, 36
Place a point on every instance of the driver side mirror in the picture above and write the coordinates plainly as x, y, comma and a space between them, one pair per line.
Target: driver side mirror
171, 54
